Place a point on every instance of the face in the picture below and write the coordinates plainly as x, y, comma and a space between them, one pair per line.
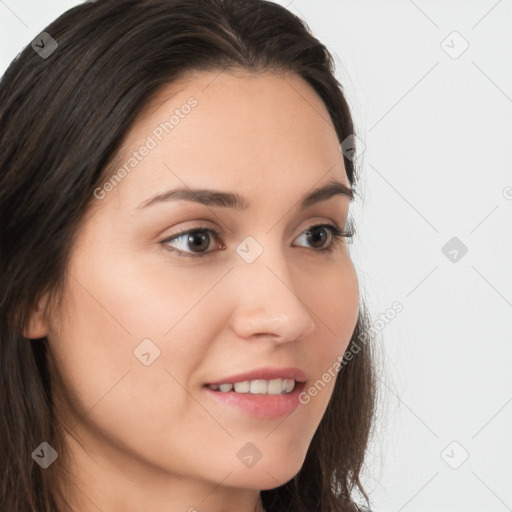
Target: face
154, 312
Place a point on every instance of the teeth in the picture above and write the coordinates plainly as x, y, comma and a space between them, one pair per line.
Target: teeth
258, 387
242, 387
275, 387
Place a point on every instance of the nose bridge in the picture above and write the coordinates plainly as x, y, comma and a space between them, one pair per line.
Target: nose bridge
269, 302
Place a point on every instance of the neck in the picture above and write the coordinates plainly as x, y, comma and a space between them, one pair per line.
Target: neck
259, 506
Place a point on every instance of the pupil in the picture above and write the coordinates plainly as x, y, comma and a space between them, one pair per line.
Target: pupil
320, 232
198, 236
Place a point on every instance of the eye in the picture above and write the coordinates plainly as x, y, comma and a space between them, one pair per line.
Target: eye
200, 238
335, 234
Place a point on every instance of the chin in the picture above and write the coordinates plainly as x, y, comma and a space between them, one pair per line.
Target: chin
272, 473
262, 481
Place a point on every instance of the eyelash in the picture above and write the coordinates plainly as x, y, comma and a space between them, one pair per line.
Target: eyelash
337, 236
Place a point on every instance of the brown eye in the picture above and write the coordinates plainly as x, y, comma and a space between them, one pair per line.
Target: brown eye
198, 240
318, 234
194, 242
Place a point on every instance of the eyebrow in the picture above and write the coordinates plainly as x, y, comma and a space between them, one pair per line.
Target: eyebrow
221, 199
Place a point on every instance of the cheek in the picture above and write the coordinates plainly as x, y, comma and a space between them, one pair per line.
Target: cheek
117, 318
151, 296
111, 395
131, 316
334, 302
335, 306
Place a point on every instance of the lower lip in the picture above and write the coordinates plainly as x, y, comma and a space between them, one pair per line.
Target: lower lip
260, 406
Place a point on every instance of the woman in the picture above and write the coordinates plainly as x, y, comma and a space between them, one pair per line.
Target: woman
181, 324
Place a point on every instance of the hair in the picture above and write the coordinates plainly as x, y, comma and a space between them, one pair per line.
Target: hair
62, 121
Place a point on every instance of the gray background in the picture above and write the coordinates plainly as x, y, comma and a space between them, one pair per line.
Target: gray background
436, 124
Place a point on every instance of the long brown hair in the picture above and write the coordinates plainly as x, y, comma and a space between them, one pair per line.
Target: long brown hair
63, 116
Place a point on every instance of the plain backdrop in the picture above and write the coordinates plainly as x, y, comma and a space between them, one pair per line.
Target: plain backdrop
430, 87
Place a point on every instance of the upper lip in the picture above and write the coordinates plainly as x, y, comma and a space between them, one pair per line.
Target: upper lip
264, 373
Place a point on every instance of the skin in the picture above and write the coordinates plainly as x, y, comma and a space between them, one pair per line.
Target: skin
151, 438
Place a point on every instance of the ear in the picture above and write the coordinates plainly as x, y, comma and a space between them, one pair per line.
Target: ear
37, 326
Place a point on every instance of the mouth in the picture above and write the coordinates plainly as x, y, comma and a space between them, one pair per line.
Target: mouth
265, 393
256, 387
265, 380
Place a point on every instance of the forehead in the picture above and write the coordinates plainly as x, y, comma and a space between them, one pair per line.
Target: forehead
230, 129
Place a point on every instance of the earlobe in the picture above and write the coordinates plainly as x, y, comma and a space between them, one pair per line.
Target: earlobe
37, 326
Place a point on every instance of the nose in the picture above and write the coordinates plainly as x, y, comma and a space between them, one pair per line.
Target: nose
269, 304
